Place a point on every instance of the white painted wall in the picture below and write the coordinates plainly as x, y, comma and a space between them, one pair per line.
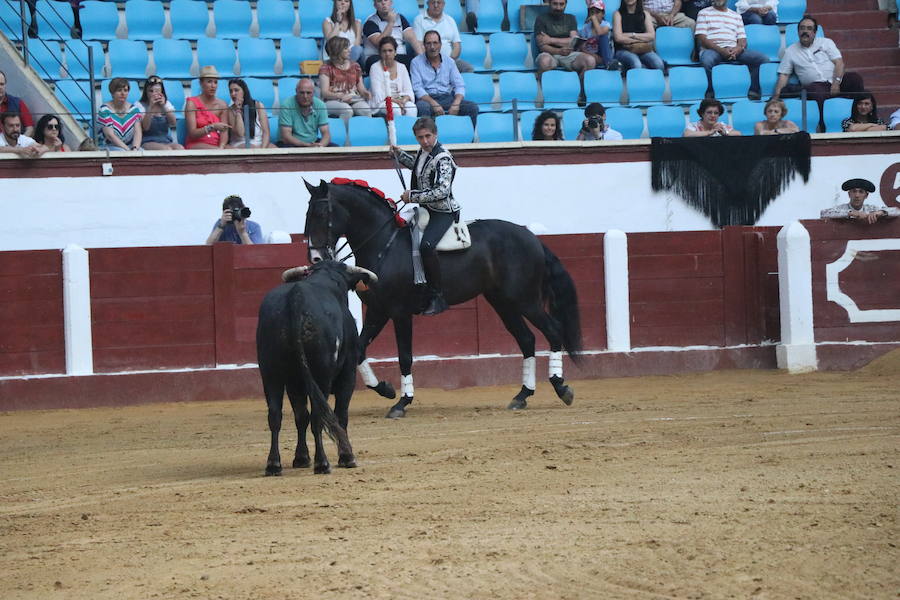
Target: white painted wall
120, 211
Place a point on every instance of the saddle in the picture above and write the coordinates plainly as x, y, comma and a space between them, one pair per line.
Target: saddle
455, 238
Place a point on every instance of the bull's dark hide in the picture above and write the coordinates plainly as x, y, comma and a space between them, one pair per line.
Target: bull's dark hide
729, 179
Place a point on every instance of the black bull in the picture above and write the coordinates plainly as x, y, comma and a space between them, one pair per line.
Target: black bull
506, 263
306, 342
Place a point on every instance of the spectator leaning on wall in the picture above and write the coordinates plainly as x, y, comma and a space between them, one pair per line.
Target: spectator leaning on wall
858, 191
12, 139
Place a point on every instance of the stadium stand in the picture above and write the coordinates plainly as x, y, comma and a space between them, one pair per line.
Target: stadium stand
99, 20
338, 130
509, 51
768, 75
366, 131
128, 58
218, 53
77, 63
189, 19
173, 58
560, 89
835, 110
480, 90
765, 39
144, 19
313, 12
455, 129
526, 123
277, 18
256, 57
54, 20
260, 89
490, 16
791, 11
686, 84
645, 86
232, 19
496, 127
603, 86
513, 13
665, 121
730, 82
674, 45
473, 50
627, 121
519, 86
46, 58
745, 114
295, 50
571, 122
795, 113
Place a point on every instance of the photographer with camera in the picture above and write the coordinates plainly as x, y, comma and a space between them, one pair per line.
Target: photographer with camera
233, 226
594, 126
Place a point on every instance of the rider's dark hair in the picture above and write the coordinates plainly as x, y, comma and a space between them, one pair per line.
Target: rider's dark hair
425, 123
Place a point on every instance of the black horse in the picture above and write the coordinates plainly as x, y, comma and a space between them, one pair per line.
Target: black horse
506, 263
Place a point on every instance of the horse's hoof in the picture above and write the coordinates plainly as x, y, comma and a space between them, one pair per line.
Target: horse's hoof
302, 463
517, 404
568, 396
384, 389
396, 412
347, 462
322, 469
273, 470
563, 391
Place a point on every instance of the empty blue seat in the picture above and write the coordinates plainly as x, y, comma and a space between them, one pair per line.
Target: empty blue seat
295, 50
232, 19
745, 114
368, 131
287, 87
189, 19
338, 130
579, 10
508, 51
730, 82
560, 89
665, 121
54, 19
257, 57
687, 84
77, 63
479, 89
627, 121
514, 13
218, 53
276, 18
407, 8
834, 110
795, 113
519, 86
473, 50
175, 94
765, 39
76, 97
526, 123
572, 120
675, 45
145, 19
11, 21
173, 58
490, 16
645, 86
262, 90
403, 124
768, 75
99, 20
792, 36
452, 9
313, 12
603, 86
275, 132
791, 11
128, 58
45, 57
455, 129
496, 127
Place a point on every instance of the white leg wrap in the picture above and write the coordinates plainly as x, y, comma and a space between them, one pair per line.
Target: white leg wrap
528, 372
406, 385
368, 376
556, 364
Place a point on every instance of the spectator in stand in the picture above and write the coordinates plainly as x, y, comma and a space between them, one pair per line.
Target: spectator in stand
895, 119
341, 83
556, 34
48, 133
709, 124
863, 115
343, 23
234, 225
390, 78
387, 22
75, 32
303, 121
858, 191
547, 127
438, 86
157, 117
667, 13
775, 122
595, 32
256, 125
437, 20
16, 105
692, 8
14, 141
721, 36
594, 127
205, 115
119, 119
634, 37
758, 12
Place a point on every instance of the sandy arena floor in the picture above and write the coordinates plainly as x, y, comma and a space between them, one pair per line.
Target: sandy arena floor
739, 484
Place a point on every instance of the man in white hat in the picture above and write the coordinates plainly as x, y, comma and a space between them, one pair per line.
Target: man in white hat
858, 190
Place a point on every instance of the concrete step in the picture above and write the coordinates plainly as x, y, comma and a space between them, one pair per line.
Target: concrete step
850, 39
879, 77
862, 19
871, 57
814, 7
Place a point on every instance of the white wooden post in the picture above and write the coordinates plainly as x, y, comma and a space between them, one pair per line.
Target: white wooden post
797, 350
618, 314
77, 311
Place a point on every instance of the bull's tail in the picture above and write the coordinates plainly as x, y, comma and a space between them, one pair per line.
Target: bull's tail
562, 298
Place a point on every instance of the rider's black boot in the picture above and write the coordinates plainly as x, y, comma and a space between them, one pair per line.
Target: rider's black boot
437, 304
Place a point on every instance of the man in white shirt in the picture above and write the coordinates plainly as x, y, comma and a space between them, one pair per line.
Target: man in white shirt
895, 120
667, 13
857, 209
14, 141
721, 37
435, 19
758, 12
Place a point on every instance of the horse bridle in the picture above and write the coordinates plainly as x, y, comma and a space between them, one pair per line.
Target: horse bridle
332, 253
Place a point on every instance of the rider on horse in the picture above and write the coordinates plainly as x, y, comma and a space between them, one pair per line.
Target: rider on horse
433, 170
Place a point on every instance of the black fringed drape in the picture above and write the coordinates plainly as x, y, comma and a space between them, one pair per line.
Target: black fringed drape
729, 179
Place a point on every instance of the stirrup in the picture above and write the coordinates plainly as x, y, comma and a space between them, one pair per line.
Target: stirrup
436, 306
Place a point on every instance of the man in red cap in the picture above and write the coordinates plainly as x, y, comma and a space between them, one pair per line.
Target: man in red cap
857, 209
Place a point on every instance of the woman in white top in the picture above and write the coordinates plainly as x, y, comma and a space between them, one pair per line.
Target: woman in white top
257, 124
388, 77
343, 23
709, 125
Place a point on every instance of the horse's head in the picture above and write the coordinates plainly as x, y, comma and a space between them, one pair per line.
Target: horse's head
325, 222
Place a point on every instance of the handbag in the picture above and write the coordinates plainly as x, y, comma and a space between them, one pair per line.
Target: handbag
640, 47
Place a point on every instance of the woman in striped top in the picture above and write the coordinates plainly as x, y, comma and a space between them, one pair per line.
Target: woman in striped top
120, 120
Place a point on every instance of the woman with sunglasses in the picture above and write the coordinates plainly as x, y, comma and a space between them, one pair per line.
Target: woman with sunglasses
157, 117
49, 133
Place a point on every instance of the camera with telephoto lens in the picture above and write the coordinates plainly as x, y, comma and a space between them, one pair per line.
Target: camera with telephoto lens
239, 214
593, 122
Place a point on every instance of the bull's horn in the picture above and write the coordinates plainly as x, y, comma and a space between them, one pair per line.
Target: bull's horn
354, 269
294, 274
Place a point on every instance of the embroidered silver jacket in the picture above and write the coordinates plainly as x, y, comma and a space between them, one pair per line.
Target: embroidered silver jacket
435, 189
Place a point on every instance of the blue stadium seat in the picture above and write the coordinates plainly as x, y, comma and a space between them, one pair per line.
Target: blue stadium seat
257, 57
765, 39
519, 86
603, 86
665, 121
99, 20
338, 130
792, 36
362, 9
313, 12
611, 7
275, 133
627, 121
579, 10
496, 127
76, 97
189, 19
145, 19
687, 84
572, 120
46, 59
674, 45
473, 50
10, 21
795, 113
768, 76
77, 59
490, 16
173, 58
526, 122
295, 50
221, 90
508, 51
730, 82
480, 90
451, 9
835, 110
645, 86
232, 19
791, 11
455, 129
218, 53
561, 89
128, 58
262, 90
407, 8
513, 12
276, 18
287, 87
134, 91
368, 131
175, 95
54, 20
403, 124
745, 114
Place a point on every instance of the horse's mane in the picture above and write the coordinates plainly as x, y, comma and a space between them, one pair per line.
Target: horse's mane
375, 194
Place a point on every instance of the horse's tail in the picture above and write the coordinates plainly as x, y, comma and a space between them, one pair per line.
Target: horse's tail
562, 298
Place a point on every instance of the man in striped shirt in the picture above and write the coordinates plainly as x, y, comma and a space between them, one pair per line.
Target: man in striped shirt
720, 34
